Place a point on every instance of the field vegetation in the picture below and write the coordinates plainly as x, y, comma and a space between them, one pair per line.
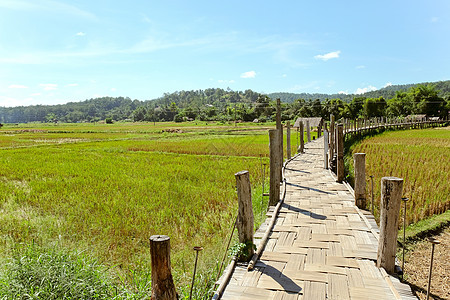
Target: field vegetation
100, 191
421, 158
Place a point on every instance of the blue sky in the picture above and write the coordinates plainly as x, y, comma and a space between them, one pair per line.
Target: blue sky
53, 52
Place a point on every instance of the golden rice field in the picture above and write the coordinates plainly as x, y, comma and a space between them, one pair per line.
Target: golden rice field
421, 158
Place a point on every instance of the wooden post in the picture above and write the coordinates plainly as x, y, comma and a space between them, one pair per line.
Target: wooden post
308, 131
245, 213
319, 130
280, 132
360, 179
275, 174
162, 281
332, 132
302, 137
325, 148
391, 197
288, 140
340, 153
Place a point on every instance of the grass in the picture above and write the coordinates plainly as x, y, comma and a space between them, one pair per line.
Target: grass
34, 273
105, 189
417, 156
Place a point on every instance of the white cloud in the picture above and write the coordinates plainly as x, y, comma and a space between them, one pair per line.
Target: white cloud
434, 20
343, 92
80, 34
388, 84
328, 56
360, 67
17, 86
365, 90
36, 94
113, 89
249, 74
49, 86
284, 75
72, 84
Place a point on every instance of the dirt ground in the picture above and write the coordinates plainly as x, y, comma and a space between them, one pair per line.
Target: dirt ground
417, 266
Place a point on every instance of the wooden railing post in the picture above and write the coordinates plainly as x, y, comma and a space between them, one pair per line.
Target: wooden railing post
275, 166
302, 137
325, 148
162, 282
391, 197
360, 179
340, 153
280, 131
245, 213
330, 157
308, 131
319, 130
288, 140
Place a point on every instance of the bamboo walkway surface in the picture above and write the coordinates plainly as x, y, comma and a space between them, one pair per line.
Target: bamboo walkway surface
321, 247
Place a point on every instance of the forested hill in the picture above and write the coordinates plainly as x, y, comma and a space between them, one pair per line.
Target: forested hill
387, 93
223, 105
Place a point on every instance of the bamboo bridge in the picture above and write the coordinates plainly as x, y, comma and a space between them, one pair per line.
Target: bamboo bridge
321, 247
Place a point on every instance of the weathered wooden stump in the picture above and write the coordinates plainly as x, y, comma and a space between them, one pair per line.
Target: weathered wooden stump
288, 140
245, 213
391, 197
275, 167
163, 287
340, 153
360, 179
302, 136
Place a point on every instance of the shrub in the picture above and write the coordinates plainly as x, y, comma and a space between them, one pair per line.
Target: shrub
109, 120
36, 273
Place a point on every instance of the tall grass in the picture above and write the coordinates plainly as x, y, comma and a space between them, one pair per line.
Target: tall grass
421, 158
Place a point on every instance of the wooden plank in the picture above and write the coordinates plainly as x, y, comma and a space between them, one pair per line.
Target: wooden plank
282, 284
360, 254
342, 262
275, 256
354, 277
315, 256
320, 237
338, 287
306, 275
325, 269
291, 250
296, 262
311, 244
315, 290
247, 293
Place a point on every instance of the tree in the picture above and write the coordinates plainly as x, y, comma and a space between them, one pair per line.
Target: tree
374, 107
426, 100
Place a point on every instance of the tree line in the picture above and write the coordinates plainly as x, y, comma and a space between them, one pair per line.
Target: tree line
226, 105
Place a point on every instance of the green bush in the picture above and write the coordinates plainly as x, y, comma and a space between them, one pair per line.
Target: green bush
35, 273
108, 120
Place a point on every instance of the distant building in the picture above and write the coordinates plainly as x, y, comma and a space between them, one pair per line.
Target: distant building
313, 122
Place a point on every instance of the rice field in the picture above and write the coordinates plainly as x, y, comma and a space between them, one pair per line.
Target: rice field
421, 158
105, 189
